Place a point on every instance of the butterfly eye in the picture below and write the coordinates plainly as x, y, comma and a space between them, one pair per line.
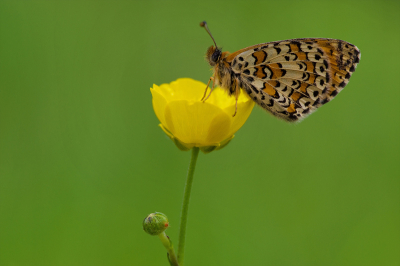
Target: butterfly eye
216, 55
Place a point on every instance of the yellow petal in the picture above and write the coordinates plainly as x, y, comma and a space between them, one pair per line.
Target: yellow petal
190, 122
159, 103
185, 89
219, 128
245, 106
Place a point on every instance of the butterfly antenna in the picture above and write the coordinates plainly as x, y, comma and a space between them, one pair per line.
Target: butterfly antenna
204, 25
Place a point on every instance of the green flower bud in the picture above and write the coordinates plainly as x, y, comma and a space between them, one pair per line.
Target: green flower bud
155, 223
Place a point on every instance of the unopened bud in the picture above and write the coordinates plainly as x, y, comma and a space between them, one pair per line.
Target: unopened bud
155, 223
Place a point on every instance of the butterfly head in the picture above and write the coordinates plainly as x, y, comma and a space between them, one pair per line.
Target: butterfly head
213, 55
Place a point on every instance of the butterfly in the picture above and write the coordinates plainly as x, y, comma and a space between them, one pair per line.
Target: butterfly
290, 79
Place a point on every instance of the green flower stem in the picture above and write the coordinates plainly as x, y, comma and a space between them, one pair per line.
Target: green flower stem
170, 248
185, 205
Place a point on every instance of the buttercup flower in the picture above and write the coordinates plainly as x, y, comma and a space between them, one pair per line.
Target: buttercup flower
191, 123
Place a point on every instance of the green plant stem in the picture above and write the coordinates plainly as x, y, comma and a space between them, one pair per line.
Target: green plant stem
185, 205
170, 248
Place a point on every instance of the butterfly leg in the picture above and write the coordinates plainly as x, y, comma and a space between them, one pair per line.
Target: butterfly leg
205, 92
236, 98
212, 78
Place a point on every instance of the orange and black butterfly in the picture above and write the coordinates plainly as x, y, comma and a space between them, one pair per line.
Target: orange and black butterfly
291, 78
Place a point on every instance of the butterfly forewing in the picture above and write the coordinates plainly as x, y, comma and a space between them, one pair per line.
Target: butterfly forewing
293, 78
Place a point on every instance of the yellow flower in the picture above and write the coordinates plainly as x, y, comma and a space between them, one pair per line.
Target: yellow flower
192, 123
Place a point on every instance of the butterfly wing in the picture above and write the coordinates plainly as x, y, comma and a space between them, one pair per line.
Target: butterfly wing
292, 78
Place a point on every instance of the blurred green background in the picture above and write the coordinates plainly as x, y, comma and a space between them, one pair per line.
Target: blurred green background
82, 160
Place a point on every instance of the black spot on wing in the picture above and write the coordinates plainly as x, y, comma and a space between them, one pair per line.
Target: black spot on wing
324, 101
356, 57
234, 62
298, 44
250, 79
326, 64
255, 89
290, 93
269, 71
305, 76
340, 62
283, 112
281, 101
292, 117
318, 101
295, 84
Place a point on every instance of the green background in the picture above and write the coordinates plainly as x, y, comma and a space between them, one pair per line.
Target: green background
82, 160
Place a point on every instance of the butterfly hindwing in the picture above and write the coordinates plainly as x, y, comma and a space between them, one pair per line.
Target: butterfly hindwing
292, 78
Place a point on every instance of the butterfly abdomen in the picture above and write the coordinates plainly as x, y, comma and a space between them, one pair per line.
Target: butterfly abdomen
226, 78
